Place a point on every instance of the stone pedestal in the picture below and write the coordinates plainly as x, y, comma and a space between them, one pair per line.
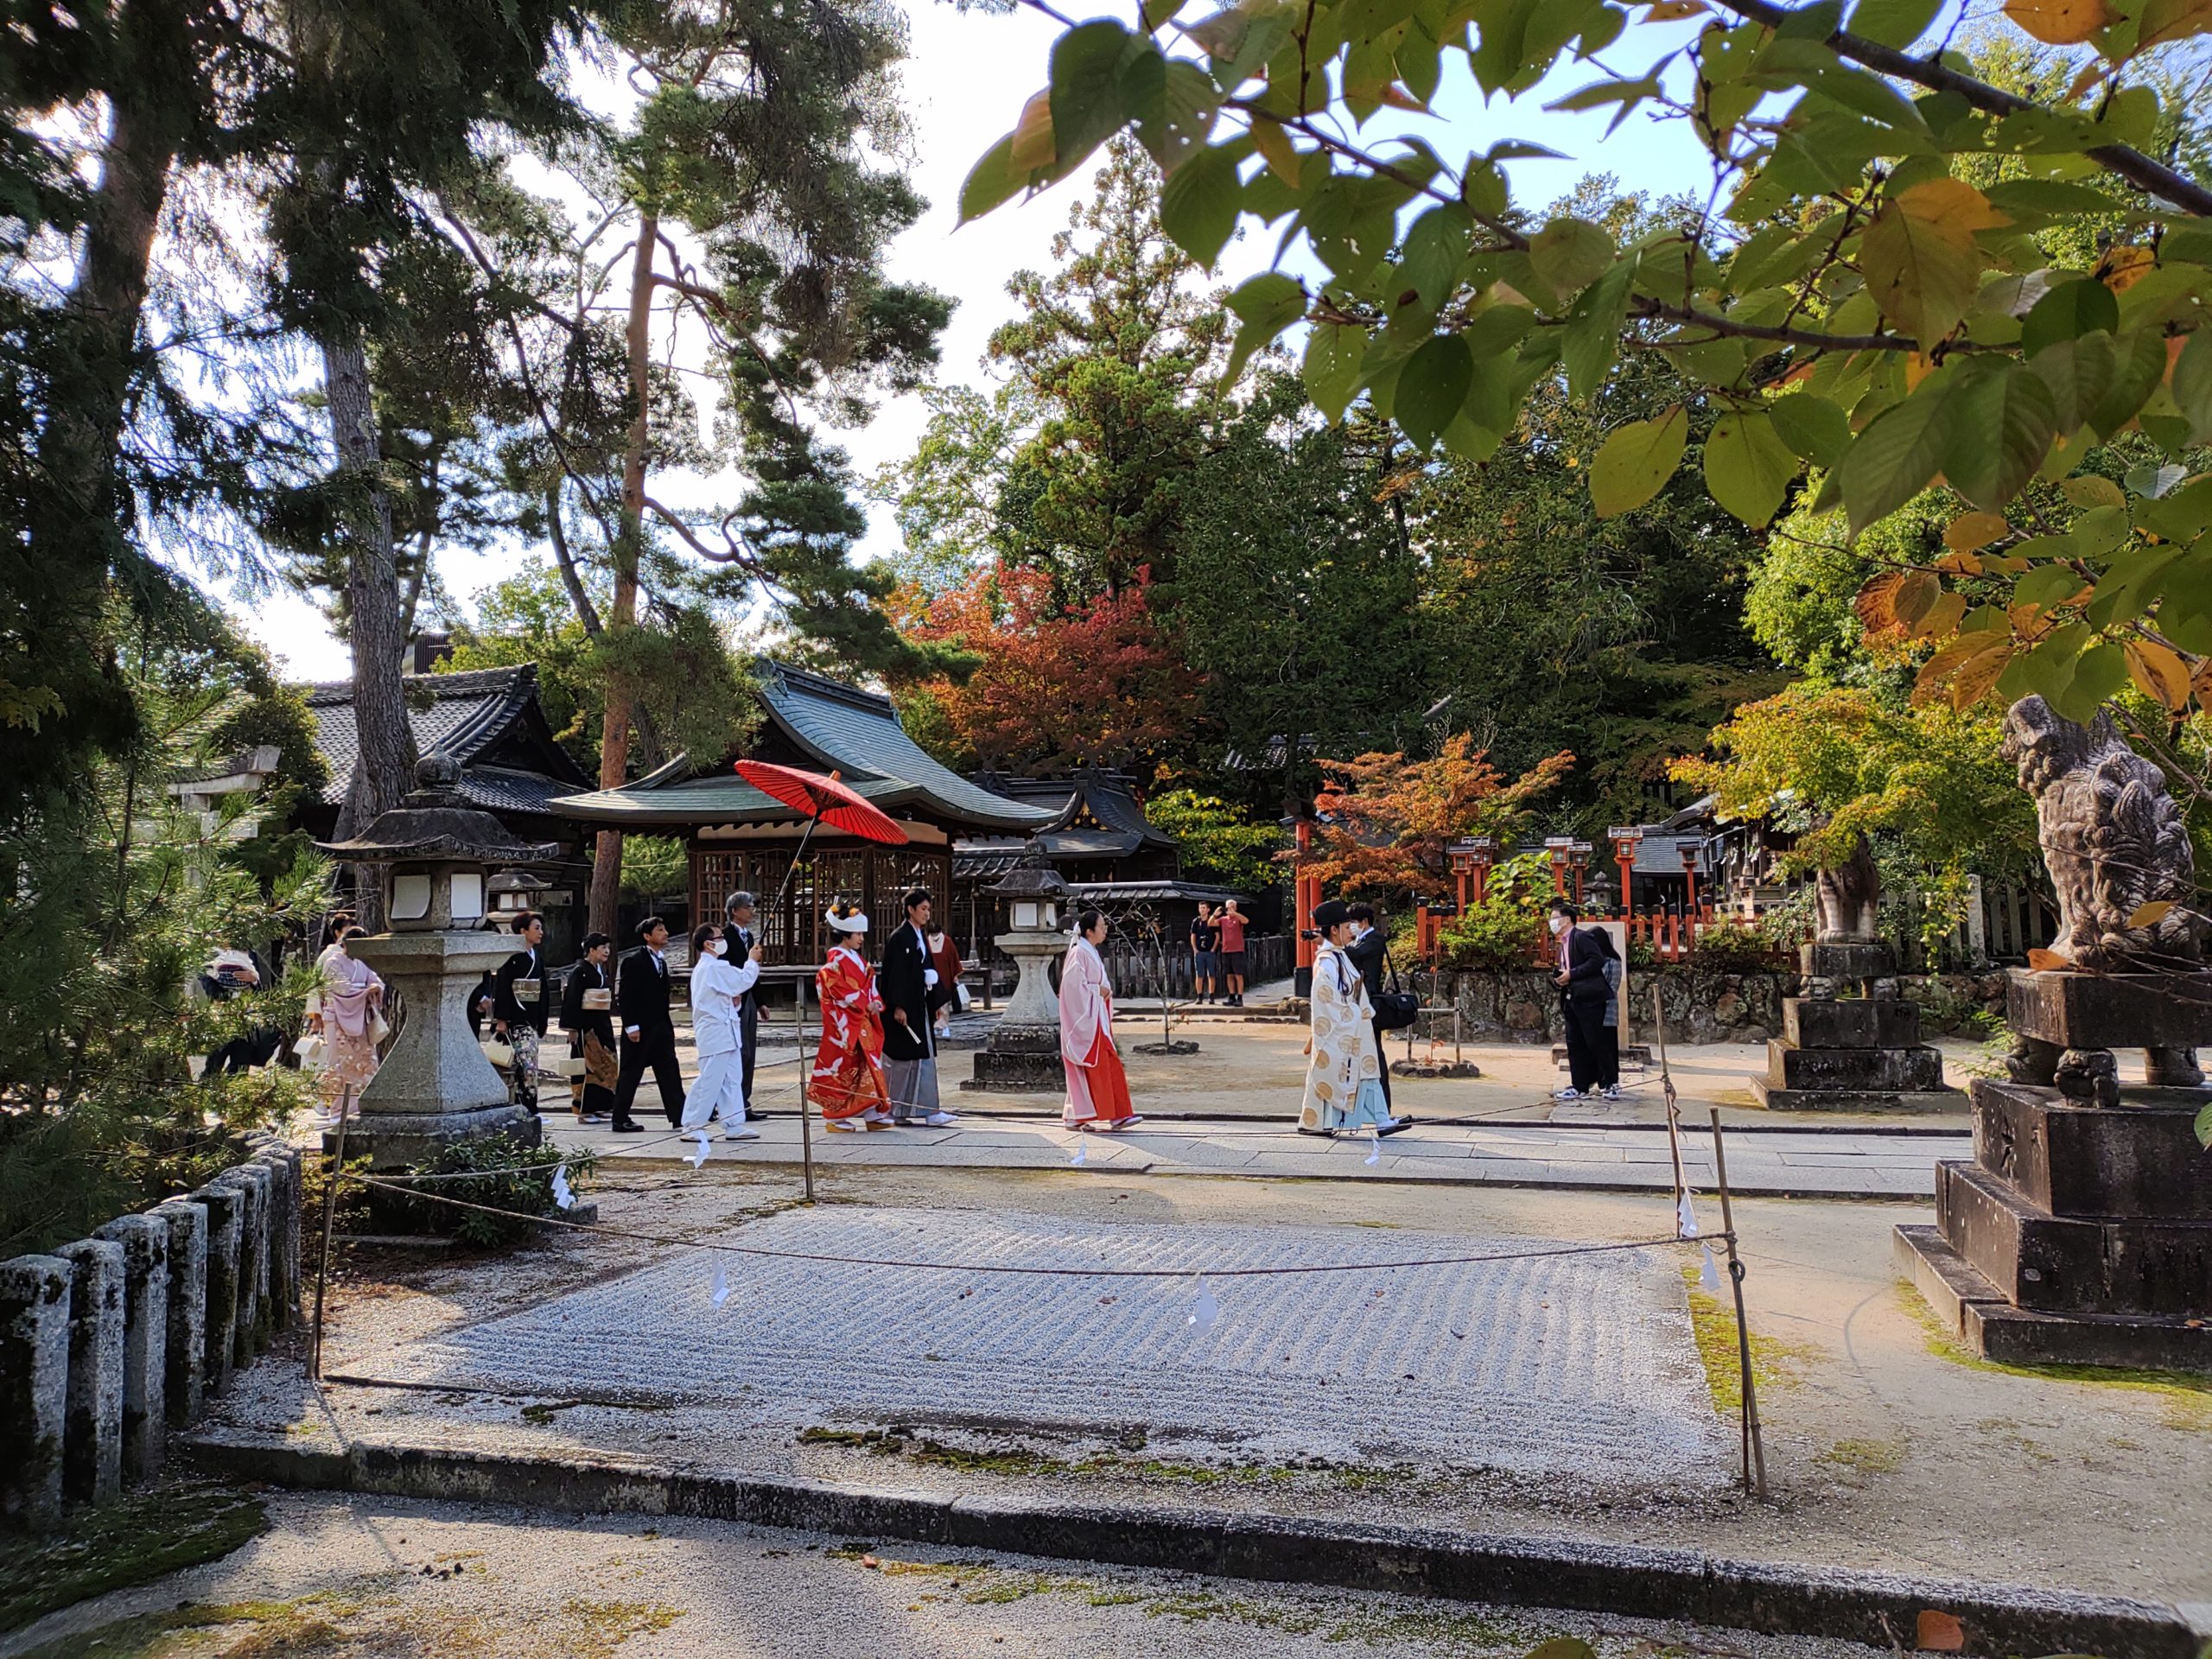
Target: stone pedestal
436, 1087
184, 1360
1023, 1054
34, 1294
145, 1242
1852, 1053
2082, 1231
92, 1444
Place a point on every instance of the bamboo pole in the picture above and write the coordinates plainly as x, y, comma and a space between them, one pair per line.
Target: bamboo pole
329, 1225
1754, 1444
806, 1071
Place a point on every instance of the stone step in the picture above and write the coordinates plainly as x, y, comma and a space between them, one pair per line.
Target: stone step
1850, 1022
1776, 1099
1872, 1070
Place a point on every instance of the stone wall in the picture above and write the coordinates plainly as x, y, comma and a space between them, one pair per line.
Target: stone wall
1700, 1005
108, 1344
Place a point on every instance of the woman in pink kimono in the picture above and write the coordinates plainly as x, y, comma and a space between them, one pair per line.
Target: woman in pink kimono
349, 1010
1099, 1089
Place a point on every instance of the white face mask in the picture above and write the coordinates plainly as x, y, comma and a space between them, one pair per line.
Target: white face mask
1559, 925
718, 947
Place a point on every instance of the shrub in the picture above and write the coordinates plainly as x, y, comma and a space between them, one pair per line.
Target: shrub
1493, 937
1735, 947
497, 1171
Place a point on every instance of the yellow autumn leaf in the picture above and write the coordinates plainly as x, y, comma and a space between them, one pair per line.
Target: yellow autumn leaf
1972, 681
1959, 564
2122, 268
2152, 914
2059, 22
1033, 144
1877, 603
1941, 617
1918, 255
2161, 673
1935, 673
2047, 961
1971, 531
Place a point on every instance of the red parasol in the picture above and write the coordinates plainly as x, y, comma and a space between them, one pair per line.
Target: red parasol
825, 800
821, 798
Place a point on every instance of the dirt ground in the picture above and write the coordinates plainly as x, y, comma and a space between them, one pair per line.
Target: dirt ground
1884, 1447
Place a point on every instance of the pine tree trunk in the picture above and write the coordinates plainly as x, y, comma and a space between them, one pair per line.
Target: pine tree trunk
622, 613
384, 761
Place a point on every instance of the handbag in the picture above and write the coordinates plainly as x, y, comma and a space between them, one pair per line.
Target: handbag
309, 1049
1396, 1009
960, 997
500, 1053
379, 1028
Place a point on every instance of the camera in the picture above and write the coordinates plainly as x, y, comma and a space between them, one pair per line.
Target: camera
1309, 932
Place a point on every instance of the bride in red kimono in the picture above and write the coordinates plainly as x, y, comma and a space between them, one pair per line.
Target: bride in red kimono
848, 1082
1099, 1089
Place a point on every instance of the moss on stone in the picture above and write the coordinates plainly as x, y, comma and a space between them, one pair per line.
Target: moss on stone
2186, 1396
159, 1529
1871, 1457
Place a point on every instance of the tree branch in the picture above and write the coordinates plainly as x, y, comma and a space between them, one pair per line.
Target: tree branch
2132, 164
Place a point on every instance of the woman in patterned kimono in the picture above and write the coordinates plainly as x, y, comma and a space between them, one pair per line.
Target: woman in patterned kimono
1099, 1089
847, 1083
1344, 1079
348, 1014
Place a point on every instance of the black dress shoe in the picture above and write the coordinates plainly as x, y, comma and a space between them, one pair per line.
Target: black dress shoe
1327, 1134
629, 1126
1396, 1126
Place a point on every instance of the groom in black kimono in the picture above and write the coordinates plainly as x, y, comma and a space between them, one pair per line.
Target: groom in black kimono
905, 980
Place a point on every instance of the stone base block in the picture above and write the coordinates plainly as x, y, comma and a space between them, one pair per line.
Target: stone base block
2126, 1266
2089, 1011
399, 1139
1434, 1068
1850, 1022
1848, 959
1974, 1312
1866, 1070
1017, 1073
1775, 1099
2072, 1158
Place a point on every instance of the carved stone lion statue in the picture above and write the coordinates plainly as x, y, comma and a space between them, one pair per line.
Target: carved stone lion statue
1850, 895
2112, 839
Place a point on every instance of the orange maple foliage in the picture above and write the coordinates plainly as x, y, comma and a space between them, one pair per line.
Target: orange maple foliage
1058, 686
1388, 823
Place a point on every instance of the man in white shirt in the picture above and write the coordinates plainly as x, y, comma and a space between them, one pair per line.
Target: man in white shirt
718, 988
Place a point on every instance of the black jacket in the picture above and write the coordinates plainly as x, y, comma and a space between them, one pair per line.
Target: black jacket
522, 965
573, 1015
1586, 967
903, 982
1367, 954
642, 997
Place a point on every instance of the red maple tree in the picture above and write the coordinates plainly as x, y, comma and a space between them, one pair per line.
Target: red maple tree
1388, 822
1057, 684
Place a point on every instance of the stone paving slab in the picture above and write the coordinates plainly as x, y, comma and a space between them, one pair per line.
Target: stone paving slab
1543, 1364
1578, 1155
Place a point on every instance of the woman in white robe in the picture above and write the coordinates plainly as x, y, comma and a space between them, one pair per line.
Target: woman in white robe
1099, 1088
1343, 1076
718, 988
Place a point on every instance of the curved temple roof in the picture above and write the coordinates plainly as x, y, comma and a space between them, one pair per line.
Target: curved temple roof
830, 725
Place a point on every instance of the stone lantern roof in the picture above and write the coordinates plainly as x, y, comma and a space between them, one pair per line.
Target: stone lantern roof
1033, 878
434, 823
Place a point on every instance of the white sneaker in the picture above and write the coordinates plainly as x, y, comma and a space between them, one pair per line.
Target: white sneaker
741, 1132
1568, 1093
1612, 1092
940, 1120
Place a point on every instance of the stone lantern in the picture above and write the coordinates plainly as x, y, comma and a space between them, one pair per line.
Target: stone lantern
434, 855
1024, 1051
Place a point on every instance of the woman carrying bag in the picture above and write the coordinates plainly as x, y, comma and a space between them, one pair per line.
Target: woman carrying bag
349, 1018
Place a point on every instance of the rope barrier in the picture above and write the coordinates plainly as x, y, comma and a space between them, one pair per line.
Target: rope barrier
1029, 1269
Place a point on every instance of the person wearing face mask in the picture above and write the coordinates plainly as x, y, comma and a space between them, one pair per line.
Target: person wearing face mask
718, 989
1583, 994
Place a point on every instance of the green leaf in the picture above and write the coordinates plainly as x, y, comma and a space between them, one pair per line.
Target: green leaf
1893, 22
1748, 467
1570, 254
1332, 357
1199, 202
991, 181
1088, 105
2138, 364
1266, 305
1634, 463
1998, 427
1813, 427
2204, 1125
1893, 459
1173, 123
2068, 312
1431, 387
1593, 329
1919, 258
2046, 586
2098, 673
2192, 384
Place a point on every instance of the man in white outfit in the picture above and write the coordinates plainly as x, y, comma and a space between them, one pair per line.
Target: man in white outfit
718, 988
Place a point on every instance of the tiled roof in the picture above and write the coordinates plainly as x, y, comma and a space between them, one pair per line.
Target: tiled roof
464, 715
840, 728
1109, 797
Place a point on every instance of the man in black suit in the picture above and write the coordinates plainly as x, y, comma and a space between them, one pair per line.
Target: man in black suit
648, 1034
905, 980
738, 924
1583, 994
519, 1006
1368, 949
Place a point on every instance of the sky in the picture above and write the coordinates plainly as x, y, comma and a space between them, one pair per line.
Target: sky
968, 74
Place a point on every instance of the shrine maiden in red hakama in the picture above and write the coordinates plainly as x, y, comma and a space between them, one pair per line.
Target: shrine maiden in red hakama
1099, 1089
847, 1083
